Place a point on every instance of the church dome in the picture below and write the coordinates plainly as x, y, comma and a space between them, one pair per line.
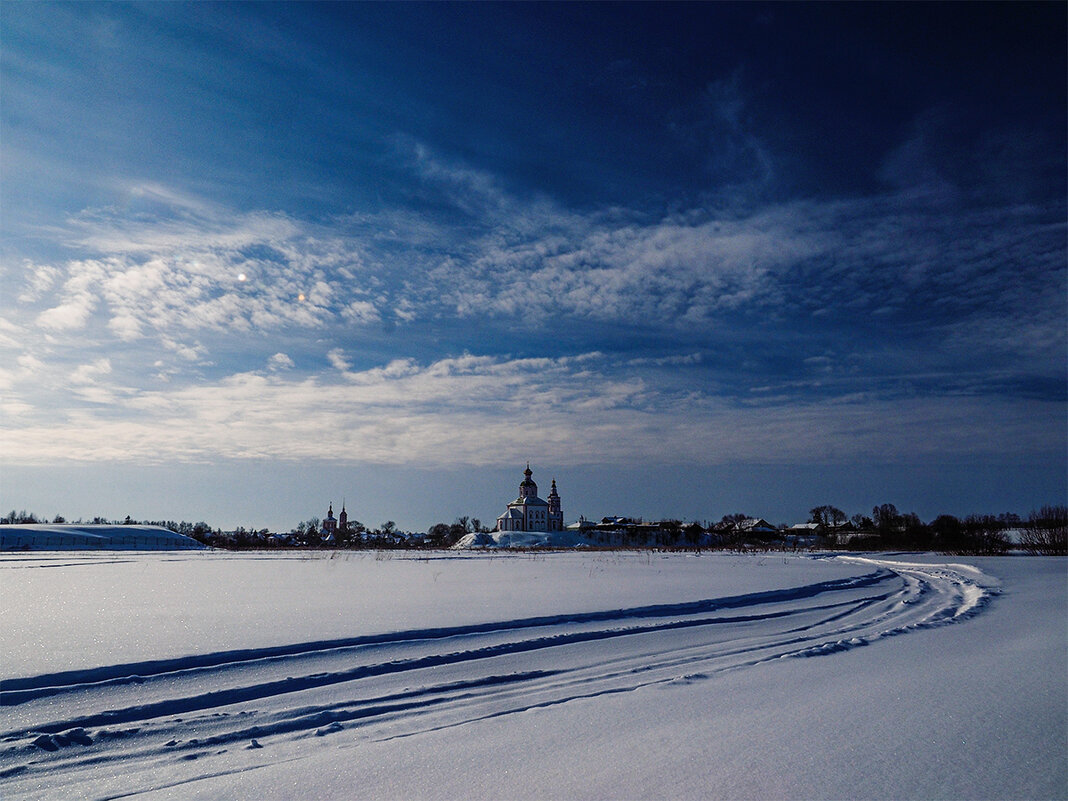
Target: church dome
527, 487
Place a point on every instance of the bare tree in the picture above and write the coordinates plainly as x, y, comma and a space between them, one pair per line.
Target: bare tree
1046, 531
827, 516
439, 534
693, 532
886, 518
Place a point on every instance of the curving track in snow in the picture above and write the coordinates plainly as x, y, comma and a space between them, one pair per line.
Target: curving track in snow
190, 710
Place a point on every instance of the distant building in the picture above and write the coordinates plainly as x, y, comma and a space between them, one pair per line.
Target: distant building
755, 525
329, 522
332, 525
751, 528
528, 512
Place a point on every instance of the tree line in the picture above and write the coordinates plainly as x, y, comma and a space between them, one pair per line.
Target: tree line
1043, 532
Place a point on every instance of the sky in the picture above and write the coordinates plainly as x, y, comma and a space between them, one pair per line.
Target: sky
688, 260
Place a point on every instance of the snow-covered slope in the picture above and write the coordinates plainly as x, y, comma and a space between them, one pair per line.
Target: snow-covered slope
567, 675
57, 537
521, 539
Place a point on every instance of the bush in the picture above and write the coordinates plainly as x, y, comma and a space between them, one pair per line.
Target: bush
1046, 531
983, 535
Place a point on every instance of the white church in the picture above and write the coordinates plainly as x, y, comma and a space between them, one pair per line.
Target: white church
528, 512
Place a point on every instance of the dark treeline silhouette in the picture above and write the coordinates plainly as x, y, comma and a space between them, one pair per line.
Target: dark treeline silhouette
1046, 531
1043, 532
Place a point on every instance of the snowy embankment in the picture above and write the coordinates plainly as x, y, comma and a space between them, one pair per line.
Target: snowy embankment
523, 539
90, 537
615, 675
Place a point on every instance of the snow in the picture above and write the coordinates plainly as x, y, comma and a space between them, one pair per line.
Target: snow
561, 675
77, 537
522, 539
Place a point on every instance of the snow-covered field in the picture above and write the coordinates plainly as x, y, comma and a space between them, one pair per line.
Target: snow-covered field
563, 675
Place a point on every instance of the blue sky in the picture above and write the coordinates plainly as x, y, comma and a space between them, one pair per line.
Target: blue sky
687, 259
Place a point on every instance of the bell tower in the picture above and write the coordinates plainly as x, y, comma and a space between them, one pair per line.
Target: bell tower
329, 523
556, 515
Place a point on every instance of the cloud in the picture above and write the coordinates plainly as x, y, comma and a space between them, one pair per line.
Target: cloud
475, 193
126, 327
78, 300
280, 361
28, 368
668, 361
11, 335
935, 295
190, 352
30, 363
362, 312
172, 225
71, 314
90, 373
182, 266
336, 357
805, 266
171, 270
39, 278
719, 131
481, 410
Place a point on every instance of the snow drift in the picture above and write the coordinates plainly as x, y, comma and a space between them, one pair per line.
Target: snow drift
57, 537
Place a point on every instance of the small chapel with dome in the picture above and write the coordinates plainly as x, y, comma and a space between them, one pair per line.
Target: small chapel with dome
528, 512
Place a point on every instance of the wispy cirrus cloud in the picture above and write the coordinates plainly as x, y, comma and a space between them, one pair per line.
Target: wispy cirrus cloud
870, 262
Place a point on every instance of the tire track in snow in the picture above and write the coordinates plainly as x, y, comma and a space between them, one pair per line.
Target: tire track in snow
929, 596
17, 690
404, 683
